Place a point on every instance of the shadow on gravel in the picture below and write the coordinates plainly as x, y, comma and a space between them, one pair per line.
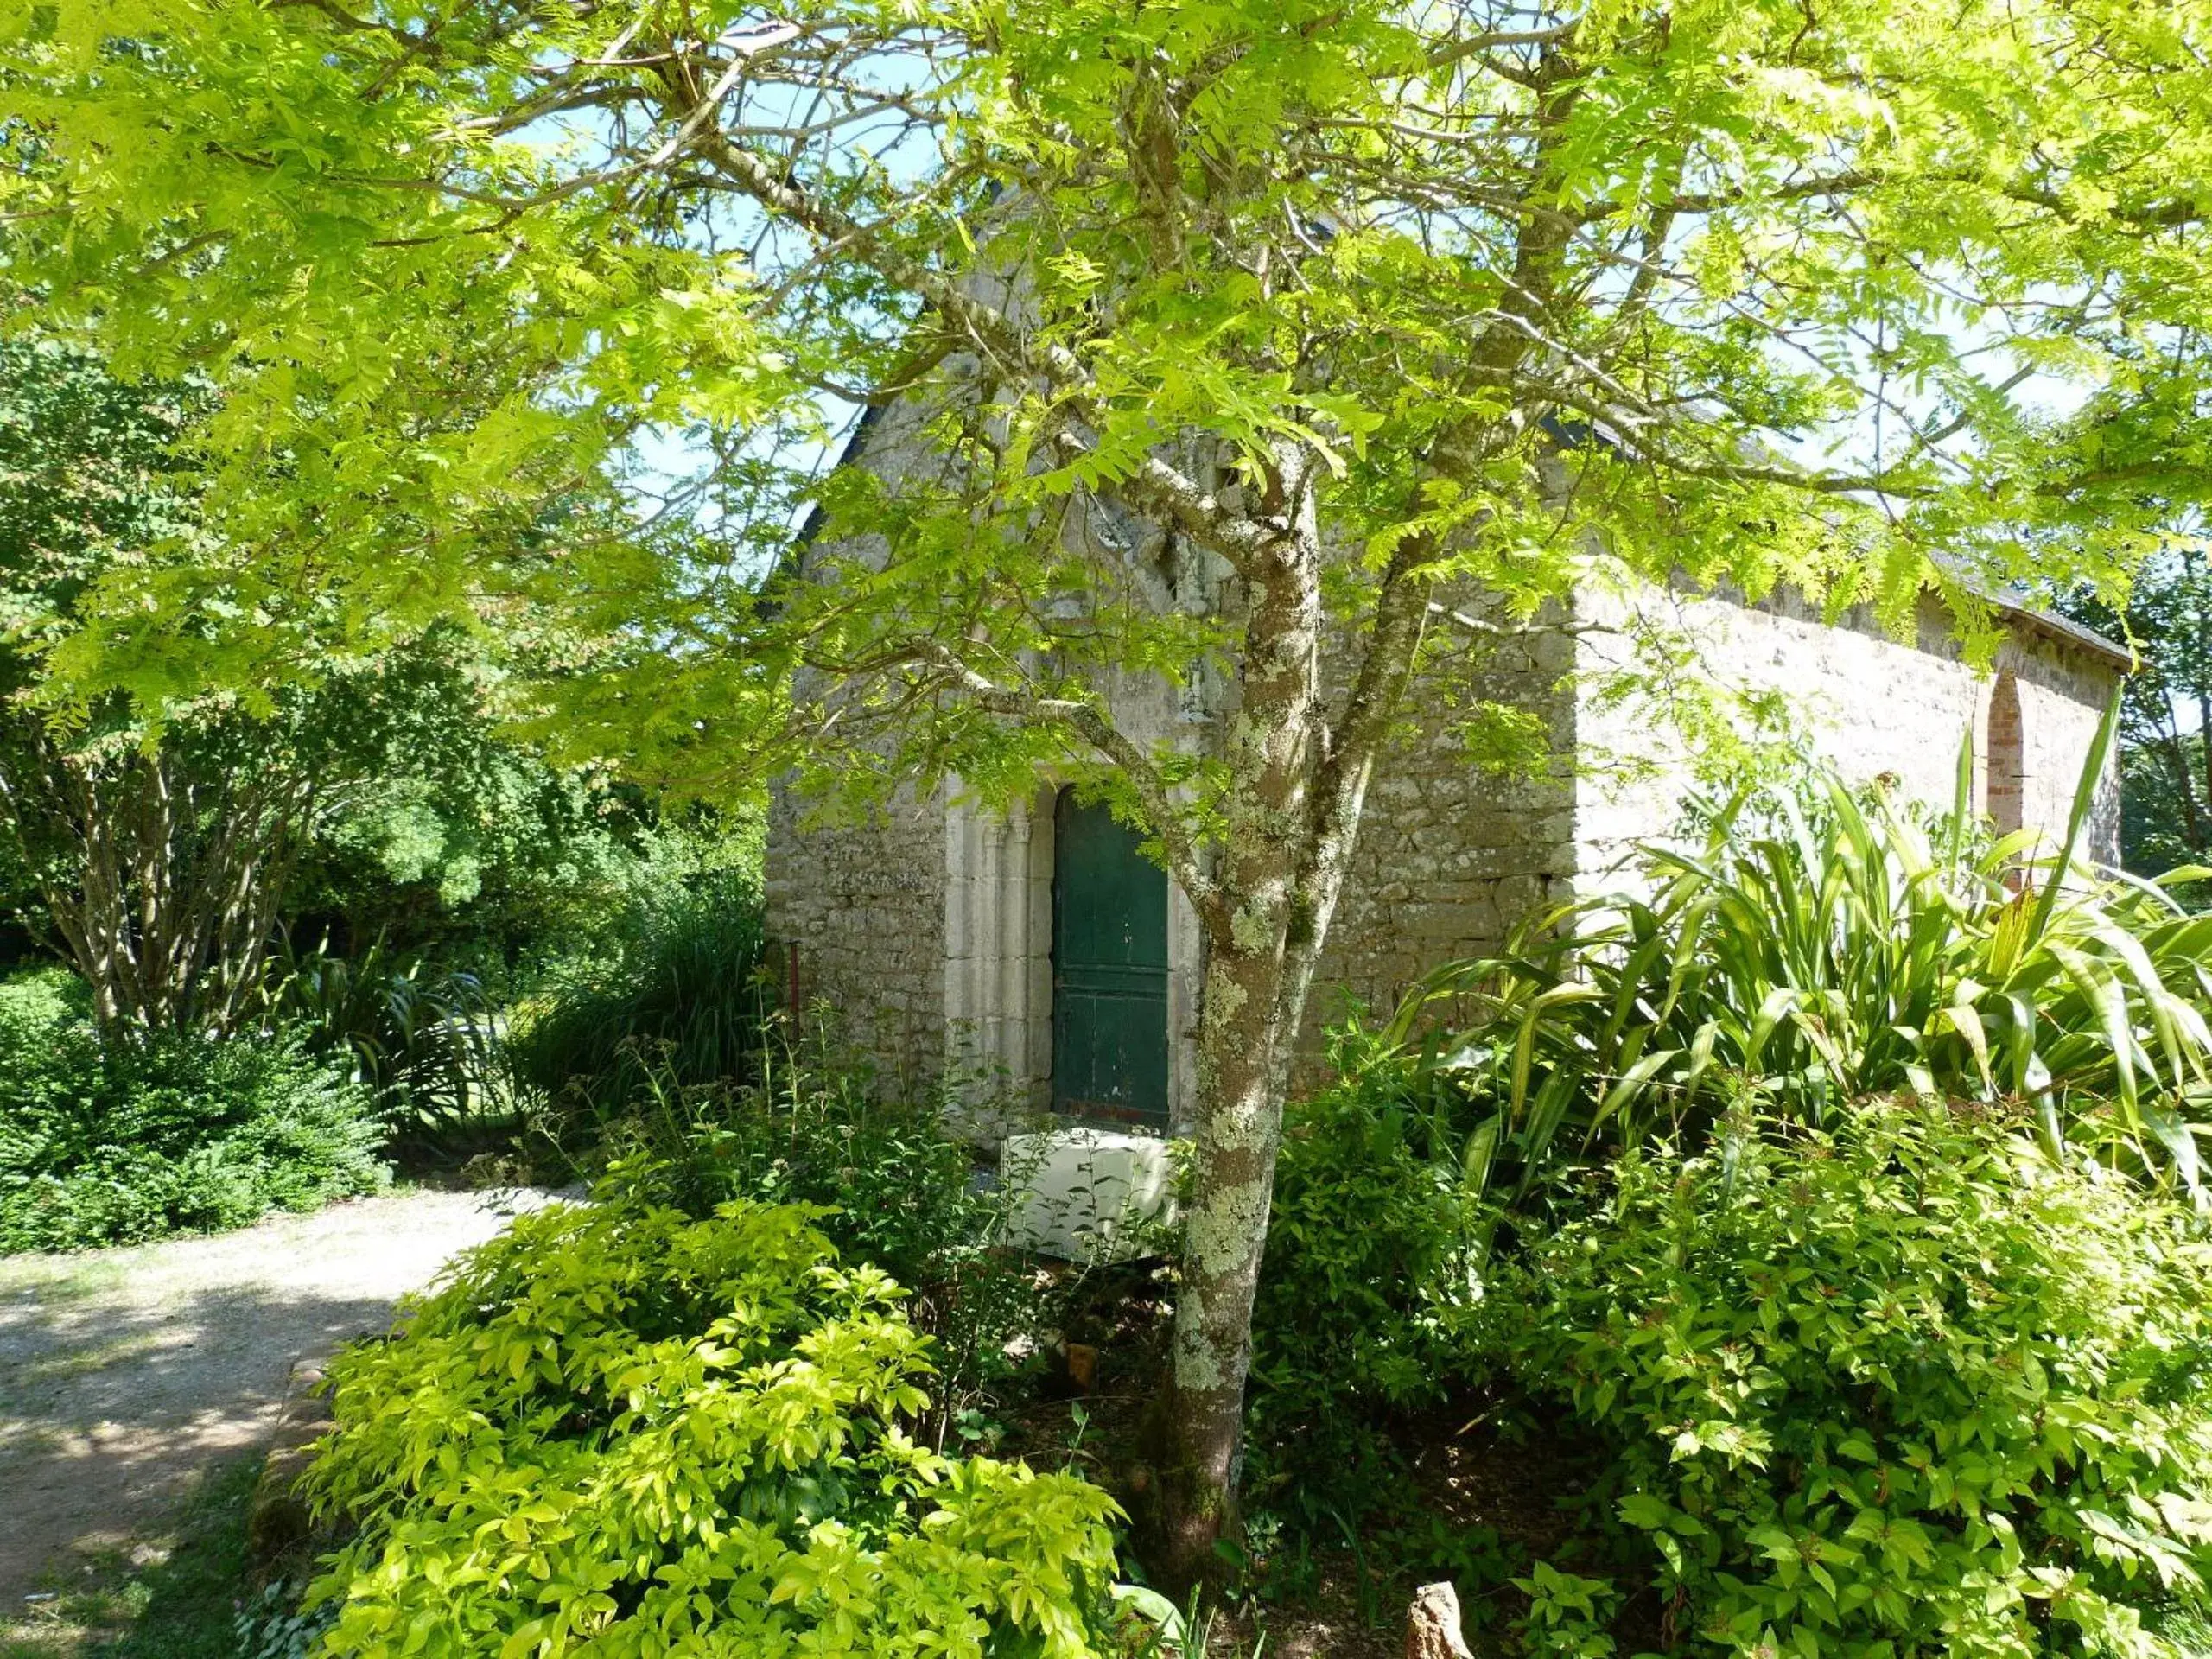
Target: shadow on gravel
108, 1416
177, 1597
127, 1375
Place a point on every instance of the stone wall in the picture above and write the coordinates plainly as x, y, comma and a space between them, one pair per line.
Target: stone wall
1452, 855
2063, 689
863, 904
1868, 702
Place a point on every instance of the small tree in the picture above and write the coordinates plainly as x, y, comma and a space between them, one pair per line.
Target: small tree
160, 868
1227, 341
162, 856
157, 861
160, 828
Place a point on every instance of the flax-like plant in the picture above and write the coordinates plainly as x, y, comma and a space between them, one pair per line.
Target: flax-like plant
1820, 948
684, 998
425, 1040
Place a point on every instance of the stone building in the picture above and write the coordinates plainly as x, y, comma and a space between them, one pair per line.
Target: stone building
1037, 948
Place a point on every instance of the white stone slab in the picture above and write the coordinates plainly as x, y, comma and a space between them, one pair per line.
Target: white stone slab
1086, 1194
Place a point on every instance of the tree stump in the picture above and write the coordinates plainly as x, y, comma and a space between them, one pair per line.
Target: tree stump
1433, 1625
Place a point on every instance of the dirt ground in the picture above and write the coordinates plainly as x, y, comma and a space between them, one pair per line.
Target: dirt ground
125, 1374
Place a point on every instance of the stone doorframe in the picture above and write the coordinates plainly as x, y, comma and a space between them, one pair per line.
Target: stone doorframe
998, 970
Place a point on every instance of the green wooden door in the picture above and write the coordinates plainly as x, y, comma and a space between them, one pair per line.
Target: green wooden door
1109, 970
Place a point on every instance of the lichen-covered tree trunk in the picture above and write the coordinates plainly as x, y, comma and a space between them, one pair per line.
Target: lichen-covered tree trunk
1242, 1069
1299, 787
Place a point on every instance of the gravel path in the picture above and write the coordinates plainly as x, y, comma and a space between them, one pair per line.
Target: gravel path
125, 1373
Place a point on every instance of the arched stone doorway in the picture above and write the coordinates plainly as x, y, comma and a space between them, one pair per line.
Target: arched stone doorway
2004, 795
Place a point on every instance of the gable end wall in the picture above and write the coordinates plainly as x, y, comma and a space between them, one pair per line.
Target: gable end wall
1866, 702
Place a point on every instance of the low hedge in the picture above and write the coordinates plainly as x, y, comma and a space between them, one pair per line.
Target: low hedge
621, 1430
121, 1141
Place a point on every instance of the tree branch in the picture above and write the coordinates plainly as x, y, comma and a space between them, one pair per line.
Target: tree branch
1452, 52
1154, 485
1087, 721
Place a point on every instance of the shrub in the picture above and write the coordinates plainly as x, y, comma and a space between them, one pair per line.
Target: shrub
34, 1003
1373, 1250
1903, 1387
683, 995
620, 1427
115, 1143
1807, 956
892, 1187
422, 1038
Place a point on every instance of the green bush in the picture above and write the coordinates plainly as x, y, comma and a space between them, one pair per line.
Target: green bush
683, 995
115, 1143
1906, 1387
1374, 1250
1810, 954
893, 1188
423, 1039
621, 1430
36, 1001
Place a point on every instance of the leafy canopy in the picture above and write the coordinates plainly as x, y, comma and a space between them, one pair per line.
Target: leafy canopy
160, 831
1758, 291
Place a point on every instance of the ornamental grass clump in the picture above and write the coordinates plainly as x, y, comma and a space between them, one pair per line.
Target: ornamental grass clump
423, 1039
682, 997
622, 1431
1905, 1387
